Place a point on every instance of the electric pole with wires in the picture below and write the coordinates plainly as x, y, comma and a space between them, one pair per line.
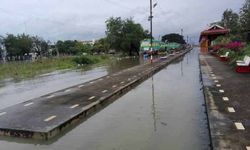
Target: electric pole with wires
151, 29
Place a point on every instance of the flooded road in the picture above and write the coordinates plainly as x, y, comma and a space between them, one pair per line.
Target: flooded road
166, 112
12, 92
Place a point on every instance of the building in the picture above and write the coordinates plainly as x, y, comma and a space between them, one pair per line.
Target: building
90, 42
209, 35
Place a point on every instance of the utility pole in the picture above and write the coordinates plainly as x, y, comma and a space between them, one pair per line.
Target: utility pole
151, 31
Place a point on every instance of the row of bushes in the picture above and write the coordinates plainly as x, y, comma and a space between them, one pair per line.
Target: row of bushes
236, 48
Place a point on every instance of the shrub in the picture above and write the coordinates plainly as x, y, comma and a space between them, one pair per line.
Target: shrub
235, 46
217, 47
84, 60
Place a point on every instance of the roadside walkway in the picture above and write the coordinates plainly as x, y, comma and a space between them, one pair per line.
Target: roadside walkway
227, 95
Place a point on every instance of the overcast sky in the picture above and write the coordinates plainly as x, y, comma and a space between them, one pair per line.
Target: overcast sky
85, 19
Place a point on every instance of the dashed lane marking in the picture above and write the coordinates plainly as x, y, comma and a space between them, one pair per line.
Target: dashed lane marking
92, 97
50, 96
80, 86
68, 90
239, 126
104, 91
221, 91
74, 106
122, 82
49, 118
231, 109
101, 98
214, 78
218, 85
225, 98
114, 86
28, 104
2, 113
216, 81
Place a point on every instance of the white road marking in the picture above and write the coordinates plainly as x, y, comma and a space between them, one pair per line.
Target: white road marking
122, 82
101, 79
114, 86
68, 90
216, 81
213, 75
74, 106
218, 85
92, 97
221, 91
239, 126
214, 78
102, 98
91, 82
225, 98
49, 118
80, 86
28, 104
231, 109
2, 113
50, 96
104, 91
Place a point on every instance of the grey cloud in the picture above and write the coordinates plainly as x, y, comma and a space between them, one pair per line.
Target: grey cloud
82, 19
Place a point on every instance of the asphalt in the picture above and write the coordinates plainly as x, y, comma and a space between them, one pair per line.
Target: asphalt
227, 96
47, 116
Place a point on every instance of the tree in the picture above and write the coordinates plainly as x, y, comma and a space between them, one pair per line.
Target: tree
245, 20
114, 32
173, 37
18, 45
40, 46
101, 45
124, 35
132, 35
230, 20
245, 16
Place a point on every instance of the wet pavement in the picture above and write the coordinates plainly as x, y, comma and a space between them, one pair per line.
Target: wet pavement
164, 112
227, 95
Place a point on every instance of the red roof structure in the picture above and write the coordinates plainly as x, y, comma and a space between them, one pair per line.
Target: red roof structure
209, 35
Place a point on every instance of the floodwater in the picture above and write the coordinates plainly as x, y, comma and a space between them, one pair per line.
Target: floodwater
166, 112
12, 92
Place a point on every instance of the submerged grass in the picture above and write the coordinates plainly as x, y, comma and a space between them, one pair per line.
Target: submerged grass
26, 69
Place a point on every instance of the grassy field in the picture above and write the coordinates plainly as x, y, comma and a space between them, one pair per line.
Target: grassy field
22, 69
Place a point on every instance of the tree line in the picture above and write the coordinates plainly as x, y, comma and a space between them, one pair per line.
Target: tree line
122, 35
238, 23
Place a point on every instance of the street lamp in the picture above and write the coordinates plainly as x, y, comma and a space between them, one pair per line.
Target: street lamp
151, 29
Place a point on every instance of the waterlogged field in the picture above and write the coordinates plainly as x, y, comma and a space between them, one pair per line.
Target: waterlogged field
27, 69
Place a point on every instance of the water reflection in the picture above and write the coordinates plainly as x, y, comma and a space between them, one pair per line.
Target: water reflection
153, 104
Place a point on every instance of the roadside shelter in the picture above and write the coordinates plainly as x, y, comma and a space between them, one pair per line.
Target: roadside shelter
209, 35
